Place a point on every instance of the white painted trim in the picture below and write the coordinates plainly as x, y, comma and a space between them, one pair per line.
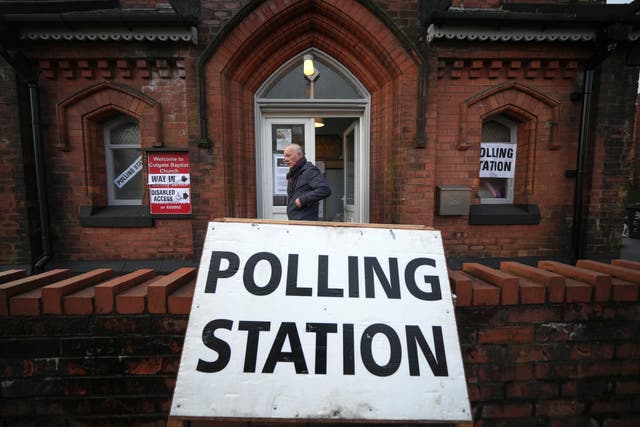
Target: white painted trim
106, 129
506, 34
159, 34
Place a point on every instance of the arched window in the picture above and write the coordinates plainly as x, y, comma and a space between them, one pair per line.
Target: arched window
123, 160
497, 160
329, 81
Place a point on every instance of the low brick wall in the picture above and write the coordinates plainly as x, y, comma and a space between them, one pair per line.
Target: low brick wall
555, 345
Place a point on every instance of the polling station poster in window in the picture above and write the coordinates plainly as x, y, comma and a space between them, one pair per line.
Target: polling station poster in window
128, 173
169, 182
497, 160
311, 322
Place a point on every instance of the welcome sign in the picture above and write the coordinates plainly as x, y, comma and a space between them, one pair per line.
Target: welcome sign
169, 183
297, 321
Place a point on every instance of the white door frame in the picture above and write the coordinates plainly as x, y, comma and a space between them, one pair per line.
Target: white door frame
268, 108
350, 209
264, 169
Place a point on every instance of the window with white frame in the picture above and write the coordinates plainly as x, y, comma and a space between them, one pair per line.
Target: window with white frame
123, 157
497, 160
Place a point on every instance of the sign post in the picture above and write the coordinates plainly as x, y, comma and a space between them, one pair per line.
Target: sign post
310, 321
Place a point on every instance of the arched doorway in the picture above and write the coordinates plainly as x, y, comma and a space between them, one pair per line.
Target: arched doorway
326, 111
256, 51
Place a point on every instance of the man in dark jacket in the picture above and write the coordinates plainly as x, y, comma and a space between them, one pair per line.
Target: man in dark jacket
305, 185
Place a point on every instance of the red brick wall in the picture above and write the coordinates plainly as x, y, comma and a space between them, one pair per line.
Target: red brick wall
403, 13
468, 86
608, 156
152, 90
554, 345
551, 365
100, 371
402, 178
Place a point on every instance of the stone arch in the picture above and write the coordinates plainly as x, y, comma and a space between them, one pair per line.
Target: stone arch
266, 35
523, 101
80, 119
103, 97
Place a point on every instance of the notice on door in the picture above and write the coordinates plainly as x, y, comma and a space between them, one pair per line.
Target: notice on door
323, 323
280, 170
169, 183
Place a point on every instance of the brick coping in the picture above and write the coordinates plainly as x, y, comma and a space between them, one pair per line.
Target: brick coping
145, 290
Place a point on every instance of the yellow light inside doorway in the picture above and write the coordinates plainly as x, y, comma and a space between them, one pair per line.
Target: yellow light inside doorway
307, 66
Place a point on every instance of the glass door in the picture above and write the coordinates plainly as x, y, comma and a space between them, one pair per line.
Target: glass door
349, 138
277, 134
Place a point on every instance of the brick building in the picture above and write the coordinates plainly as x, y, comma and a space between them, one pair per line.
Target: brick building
505, 125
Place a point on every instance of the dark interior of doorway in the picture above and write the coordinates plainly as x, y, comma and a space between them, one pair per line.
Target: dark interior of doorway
329, 156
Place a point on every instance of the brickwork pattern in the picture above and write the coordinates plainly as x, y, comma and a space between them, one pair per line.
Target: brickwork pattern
79, 93
552, 344
608, 156
369, 37
533, 88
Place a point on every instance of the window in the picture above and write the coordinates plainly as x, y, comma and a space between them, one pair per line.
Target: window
497, 161
123, 157
329, 85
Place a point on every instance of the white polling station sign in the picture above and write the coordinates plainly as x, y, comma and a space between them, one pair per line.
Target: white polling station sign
293, 321
497, 160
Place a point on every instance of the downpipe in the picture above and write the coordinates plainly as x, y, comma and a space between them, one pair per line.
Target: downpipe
43, 206
24, 73
576, 241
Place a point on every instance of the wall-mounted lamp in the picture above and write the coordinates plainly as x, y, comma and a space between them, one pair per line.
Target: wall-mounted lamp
307, 66
318, 122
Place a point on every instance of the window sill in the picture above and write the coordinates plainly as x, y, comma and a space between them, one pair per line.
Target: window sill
504, 214
115, 216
